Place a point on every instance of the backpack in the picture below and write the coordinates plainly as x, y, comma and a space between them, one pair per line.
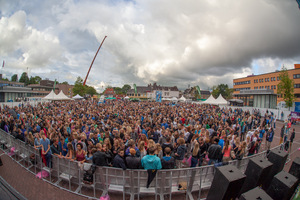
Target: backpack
88, 177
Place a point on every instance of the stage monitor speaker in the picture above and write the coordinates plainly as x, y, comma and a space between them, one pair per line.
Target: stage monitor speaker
278, 158
257, 170
295, 168
283, 186
255, 194
226, 184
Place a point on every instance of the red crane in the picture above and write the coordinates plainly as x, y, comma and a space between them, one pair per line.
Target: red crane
93, 61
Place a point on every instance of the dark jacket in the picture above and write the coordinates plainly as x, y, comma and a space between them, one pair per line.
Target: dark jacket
168, 162
119, 162
133, 162
100, 158
181, 150
214, 151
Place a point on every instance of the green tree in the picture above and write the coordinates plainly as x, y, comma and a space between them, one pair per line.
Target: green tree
222, 89
37, 79
14, 78
118, 90
65, 83
78, 87
5, 79
286, 87
24, 78
90, 90
125, 88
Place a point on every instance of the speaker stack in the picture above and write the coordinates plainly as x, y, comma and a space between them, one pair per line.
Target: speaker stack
278, 158
282, 186
226, 184
295, 168
257, 170
256, 193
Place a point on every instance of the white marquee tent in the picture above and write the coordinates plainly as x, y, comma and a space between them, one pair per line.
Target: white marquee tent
61, 96
221, 101
210, 100
77, 97
182, 98
51, 95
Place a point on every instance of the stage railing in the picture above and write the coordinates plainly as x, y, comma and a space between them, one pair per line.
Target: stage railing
68, 174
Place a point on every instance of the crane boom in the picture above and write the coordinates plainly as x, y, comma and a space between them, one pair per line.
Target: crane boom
93, 61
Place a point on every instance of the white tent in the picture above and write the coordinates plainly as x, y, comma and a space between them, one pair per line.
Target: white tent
210, 100
221, 101
51, 96
174, 99
182, 98
61, 96
127, 97
77, 97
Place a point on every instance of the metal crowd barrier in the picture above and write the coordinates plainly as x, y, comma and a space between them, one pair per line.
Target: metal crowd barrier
68, 174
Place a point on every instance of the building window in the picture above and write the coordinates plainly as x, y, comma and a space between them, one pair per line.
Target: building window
239, 89
295, 76
297, 86
274, 87
242, 83
297, 95
277, 78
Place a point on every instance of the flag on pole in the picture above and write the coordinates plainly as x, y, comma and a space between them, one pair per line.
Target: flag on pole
3, 64
54, 85
298, 1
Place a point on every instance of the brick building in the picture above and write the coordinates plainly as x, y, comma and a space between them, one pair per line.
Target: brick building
268, 81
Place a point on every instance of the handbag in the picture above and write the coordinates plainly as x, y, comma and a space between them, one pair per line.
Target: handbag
189, 161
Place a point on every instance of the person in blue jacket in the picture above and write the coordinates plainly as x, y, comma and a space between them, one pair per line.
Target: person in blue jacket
151, 161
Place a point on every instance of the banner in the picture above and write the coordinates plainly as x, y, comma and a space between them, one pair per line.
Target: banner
297, 106
158, 96
295, 116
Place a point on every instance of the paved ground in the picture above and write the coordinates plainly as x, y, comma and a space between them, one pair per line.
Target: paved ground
33, 188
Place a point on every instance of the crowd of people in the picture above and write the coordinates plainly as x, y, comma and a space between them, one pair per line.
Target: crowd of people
139, 135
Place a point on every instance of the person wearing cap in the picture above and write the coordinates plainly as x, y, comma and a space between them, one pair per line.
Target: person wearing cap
214, 152
132, 161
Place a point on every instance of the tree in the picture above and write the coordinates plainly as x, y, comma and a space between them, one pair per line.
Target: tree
286, 87
118, 90
78, 87
125, 88
90, 90
5, 79
222, 89
37, 79
65, 83
24, 78
14, 78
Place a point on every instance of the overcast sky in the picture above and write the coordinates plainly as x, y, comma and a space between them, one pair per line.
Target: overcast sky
173, 42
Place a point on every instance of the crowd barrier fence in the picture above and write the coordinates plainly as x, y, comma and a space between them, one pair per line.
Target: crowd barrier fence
68, 174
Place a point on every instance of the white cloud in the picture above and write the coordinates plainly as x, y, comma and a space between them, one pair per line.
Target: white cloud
204, 42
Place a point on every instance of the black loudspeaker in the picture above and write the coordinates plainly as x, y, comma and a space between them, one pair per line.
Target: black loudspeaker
226, 184
257, 171
278, 158
282, 186
255, 194
295, 168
